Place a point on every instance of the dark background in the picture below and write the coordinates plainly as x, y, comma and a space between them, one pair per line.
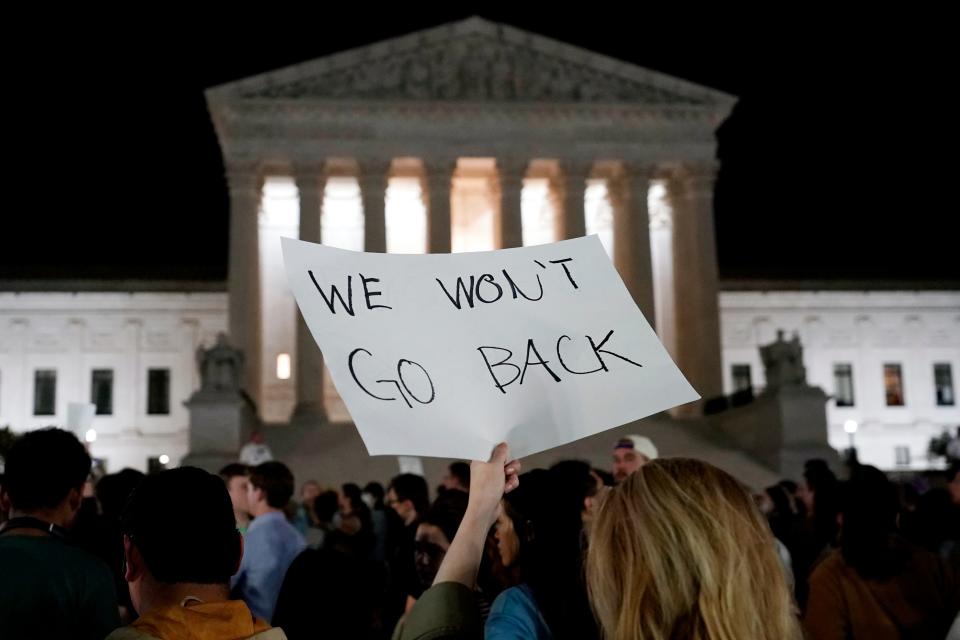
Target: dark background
837, 163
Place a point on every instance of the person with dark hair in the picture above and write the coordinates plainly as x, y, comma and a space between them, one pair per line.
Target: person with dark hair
434, 533
575, 479
408, 496
99, 532
271, 541
457, 477
373, 495
354, 535
540, 530
604, 477
775, 505
935, 525
337, 583
48, 588
236, 477
878, 587
816, 534
325, 507
178, 569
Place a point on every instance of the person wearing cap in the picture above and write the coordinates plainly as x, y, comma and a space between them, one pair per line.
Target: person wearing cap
178, 569
629, 454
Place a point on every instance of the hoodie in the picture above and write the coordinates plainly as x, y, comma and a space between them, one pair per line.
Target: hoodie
227, 620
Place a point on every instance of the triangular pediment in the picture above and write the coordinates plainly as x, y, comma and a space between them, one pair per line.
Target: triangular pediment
474, 60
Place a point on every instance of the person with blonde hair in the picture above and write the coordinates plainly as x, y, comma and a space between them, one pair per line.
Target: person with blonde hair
677, 550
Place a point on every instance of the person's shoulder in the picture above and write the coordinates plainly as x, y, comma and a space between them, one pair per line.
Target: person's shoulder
832, 567
513, 599
129, 633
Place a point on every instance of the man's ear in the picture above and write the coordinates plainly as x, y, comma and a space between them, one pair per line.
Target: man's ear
132, 561
5, 504
75, 498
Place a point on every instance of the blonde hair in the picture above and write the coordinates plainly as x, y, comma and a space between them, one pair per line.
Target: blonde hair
679, 550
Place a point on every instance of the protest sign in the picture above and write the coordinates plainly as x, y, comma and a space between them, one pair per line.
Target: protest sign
448, 354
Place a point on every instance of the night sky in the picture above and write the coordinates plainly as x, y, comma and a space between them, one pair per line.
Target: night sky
838, 162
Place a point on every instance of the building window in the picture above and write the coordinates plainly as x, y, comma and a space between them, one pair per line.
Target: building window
741, 377
158, 392
943, 381
902, 456
843, 384
893, 384
283, 366
101, 391
45, 392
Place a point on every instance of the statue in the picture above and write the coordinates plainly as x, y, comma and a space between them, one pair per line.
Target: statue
220, 366
783, 362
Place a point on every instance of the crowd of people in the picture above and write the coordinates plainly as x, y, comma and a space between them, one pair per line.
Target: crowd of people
650, 548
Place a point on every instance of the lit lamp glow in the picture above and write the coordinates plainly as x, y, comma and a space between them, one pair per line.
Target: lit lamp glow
164, 459
91, 435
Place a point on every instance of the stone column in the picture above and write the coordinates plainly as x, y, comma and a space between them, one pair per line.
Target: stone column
373, 178
243, 277
508, 229
631, 235
572, 223
437, 191
311, 182
696, 279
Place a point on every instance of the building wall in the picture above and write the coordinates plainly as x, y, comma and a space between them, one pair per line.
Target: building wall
75, 333
867, 330
128, 333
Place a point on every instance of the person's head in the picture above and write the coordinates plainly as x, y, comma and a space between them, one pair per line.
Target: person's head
309, 491
819, 493
113, 491
775, 501
669, 548
868, 509
270, 488
457, 477
435, 532
408, 496
200, 546
44, 476
954, 485
351, 498
373, 495
630, 453
575, 478
236, 477
326, 506
539, 533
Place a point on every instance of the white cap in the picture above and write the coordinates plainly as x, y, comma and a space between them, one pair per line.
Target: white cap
640, 444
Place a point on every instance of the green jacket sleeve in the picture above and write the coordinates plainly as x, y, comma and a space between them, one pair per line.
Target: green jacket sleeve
445, 611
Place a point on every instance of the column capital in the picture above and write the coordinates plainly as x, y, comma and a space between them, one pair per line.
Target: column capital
309, 174
576, 167
243, 176
510, 175
638, 169
374, 166
438, 172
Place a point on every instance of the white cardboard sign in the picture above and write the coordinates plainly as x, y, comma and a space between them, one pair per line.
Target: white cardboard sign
448, 354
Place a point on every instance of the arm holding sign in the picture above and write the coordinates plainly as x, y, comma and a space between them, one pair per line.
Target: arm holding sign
448, 609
